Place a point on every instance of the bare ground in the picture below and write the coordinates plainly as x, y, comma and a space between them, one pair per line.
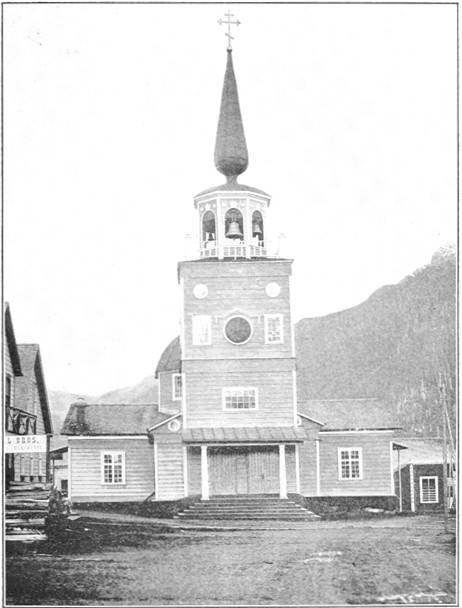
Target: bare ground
398, 561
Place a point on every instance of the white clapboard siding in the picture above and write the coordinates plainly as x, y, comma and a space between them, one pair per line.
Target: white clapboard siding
86, 470
204, 383
170, 484
375, 463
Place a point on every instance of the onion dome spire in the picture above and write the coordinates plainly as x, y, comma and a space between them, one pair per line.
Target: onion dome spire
231, 156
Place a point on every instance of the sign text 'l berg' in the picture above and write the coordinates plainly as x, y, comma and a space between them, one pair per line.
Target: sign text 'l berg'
15, 444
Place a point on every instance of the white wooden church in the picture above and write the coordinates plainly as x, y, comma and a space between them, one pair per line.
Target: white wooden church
228, 422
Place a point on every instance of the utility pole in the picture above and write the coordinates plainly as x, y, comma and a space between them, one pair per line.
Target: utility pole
445, 455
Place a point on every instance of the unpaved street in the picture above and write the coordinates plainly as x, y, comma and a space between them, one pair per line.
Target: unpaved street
404, 560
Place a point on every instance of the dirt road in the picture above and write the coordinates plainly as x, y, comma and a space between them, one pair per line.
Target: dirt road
406, 560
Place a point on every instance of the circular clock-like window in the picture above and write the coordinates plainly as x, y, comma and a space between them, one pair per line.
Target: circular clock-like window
238, 330
273, 290
200, 291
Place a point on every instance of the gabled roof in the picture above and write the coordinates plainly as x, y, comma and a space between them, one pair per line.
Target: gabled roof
112, 419
31, 365
348, 414
11, 342
420, 451
170, 360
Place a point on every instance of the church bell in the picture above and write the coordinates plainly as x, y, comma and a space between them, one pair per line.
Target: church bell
234, 232
256, 229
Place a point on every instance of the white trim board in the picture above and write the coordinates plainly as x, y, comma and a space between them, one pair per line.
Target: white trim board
100, 437
311, 419
356, 432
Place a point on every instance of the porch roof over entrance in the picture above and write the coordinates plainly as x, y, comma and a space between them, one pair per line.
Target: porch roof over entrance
253, 434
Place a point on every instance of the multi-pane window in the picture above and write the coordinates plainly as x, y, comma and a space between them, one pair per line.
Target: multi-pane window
274, 333
202, 329
240, 398
429, 489
177, 389
113, 467
350, 463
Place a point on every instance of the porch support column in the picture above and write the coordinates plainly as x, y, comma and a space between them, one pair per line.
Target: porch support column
204, 473
282, 471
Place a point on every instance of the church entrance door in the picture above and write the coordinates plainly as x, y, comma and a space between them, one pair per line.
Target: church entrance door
242, 471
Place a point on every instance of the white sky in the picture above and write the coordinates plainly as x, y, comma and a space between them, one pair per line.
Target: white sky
110, 114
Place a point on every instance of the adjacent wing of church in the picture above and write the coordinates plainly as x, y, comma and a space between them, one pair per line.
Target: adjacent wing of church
228, 422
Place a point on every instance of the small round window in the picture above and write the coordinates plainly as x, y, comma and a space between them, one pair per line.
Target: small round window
238, 330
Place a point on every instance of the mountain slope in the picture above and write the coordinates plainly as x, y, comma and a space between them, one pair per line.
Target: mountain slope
393, 346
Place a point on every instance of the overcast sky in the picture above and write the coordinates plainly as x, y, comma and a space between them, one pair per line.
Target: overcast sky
110, 115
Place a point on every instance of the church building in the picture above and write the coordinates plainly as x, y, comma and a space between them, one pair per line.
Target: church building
228, 422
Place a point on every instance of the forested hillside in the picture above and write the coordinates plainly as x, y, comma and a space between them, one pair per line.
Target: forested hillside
395, 346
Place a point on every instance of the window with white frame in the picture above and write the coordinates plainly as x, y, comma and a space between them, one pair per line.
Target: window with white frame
177, 387
350, 463
202, 329
274, 329
429, 489
240, 398
113, 467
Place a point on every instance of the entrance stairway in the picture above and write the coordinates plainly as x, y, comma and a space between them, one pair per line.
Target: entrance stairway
246, 508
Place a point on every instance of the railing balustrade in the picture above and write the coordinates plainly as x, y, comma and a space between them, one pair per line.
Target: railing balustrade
20, 422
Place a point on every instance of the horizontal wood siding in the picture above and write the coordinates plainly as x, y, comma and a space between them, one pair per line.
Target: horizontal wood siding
307, 463
170, 467
194, 471
166, 402
205, 380
236, 287
86, 470
375, 458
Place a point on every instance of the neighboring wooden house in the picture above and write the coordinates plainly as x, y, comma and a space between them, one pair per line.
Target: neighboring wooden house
27, 411
110, 455
419, 475
228, 422
352, 445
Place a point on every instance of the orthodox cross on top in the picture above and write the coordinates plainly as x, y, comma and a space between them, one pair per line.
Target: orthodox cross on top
229, 22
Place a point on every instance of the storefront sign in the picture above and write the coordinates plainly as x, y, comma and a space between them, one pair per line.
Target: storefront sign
15, 444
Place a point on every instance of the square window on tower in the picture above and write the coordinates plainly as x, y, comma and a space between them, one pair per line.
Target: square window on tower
201, 330
274, 329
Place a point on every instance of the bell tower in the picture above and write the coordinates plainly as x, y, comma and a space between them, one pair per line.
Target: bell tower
232, 217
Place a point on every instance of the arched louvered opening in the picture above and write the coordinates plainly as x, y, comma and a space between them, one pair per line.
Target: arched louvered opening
209, 234
258, 232
234, 224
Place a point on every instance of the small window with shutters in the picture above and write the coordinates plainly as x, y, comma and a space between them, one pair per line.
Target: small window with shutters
429, 489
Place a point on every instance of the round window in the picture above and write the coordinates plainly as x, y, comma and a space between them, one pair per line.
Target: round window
174, 425
238, 330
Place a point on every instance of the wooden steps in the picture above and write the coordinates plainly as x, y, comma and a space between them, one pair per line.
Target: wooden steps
26, 507
246, 509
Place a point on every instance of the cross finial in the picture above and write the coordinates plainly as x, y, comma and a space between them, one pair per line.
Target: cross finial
229, 22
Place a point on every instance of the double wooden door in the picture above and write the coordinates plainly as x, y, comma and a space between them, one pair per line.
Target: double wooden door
234, 471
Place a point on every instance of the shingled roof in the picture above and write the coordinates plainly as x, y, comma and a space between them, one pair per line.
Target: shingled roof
111, 419
32, 371
348, 414
170, 359
420, 450
11, 342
